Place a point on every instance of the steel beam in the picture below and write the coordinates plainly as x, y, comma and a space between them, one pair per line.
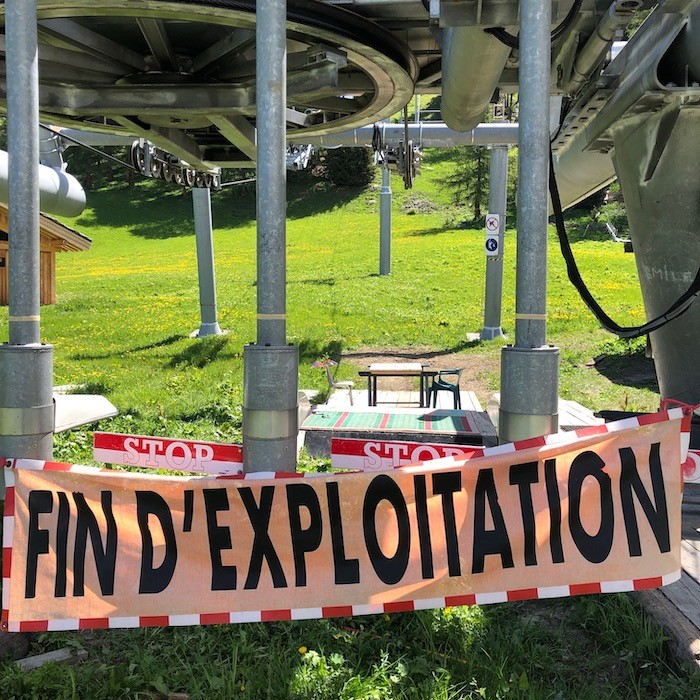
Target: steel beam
73, 35
223, 50
52, 55
158, 42
239, 131
173, 141
159, 99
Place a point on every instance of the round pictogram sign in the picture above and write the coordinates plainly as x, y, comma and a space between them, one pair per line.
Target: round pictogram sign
492, 222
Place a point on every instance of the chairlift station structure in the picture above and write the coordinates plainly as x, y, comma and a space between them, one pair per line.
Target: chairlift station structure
228, 83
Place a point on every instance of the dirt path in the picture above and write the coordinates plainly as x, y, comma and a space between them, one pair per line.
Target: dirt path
480, 371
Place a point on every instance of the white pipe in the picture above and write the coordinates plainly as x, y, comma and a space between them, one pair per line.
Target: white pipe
424, 134
59, 193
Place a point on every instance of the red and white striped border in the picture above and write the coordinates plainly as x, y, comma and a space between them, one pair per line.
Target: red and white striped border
340, 610
8, 529
336, 611
563, 438
41, 465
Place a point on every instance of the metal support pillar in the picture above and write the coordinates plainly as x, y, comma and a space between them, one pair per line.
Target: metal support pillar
204, 238
270, 367
498, 193
26, 366
385, 222
530, 370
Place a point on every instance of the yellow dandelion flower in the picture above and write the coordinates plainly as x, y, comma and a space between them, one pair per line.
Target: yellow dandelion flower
303, 650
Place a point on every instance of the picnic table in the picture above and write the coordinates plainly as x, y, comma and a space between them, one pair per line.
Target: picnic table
397, 369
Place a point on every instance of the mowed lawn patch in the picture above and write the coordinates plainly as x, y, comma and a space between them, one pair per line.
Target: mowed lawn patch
121, 327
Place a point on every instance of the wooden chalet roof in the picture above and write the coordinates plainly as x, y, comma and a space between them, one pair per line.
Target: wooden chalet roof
54, 235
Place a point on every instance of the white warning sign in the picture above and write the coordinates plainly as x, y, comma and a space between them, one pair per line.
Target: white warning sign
493, 223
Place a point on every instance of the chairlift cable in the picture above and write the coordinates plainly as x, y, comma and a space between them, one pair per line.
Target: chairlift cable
237, 182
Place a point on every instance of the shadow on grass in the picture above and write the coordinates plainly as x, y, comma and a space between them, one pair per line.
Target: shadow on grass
438, 155
630, 369
303, 202
434, 231
200, 352
331, 281
156, 210
94, 386
117, 353
312, 350
222, 411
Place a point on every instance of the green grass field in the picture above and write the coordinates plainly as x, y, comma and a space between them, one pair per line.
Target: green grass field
120, 327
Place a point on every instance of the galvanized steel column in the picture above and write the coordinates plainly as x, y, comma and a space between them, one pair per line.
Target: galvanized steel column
23, 150
270, 384
271, 207
204, 240
26, 366
530, 370
498, 194
385, 222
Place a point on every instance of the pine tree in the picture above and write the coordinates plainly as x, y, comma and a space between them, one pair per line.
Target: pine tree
469, 182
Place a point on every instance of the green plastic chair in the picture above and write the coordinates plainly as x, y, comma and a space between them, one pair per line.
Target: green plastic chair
440, 384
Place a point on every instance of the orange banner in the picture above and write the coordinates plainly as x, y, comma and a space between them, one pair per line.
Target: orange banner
111, 549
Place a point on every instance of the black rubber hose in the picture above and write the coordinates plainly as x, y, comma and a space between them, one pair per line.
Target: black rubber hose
680, 306
514, 42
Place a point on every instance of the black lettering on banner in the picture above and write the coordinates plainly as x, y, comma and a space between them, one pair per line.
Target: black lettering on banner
554, 502
346, 570
657, 514
596, 547
259, 517
524, 476
303, 539
446, 484
389, 569
155, 579
105, 557
62, 544
223, 578
426, 548
38, 538
489, 541
189, 510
